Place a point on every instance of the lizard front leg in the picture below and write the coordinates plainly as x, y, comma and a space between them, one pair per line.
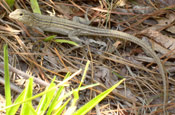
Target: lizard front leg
73, 35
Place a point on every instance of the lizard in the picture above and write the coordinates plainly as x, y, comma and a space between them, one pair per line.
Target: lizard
75, 29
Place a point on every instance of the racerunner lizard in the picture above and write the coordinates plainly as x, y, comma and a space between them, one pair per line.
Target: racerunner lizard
75, 29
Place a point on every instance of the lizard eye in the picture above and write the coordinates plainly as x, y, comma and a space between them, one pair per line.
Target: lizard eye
21, 14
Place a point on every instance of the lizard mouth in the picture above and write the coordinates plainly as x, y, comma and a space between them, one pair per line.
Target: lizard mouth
12, 15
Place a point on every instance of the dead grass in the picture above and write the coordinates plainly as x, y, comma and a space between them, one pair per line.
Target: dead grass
142, 91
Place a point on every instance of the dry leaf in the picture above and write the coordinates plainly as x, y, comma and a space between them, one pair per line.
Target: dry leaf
67, 9
168, 19
20, 82
171, 29
163, 43
163, 40
120, 3
116, 44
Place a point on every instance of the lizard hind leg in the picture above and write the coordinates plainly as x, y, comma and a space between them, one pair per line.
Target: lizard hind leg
84, 20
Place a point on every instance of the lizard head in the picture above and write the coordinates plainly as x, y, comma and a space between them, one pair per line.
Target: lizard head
22, 16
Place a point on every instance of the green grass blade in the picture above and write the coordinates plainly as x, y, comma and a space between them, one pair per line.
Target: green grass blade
32, 110
118, 75
84, 74
88, 106
10, 3
73, 106
42, 93
60, 40
7, 79
35, 6
46, 99
27, 94
49, 38
14, 109
66, 41
54, 101
60, 109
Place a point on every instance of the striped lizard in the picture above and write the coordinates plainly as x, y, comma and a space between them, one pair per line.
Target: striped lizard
75, 29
